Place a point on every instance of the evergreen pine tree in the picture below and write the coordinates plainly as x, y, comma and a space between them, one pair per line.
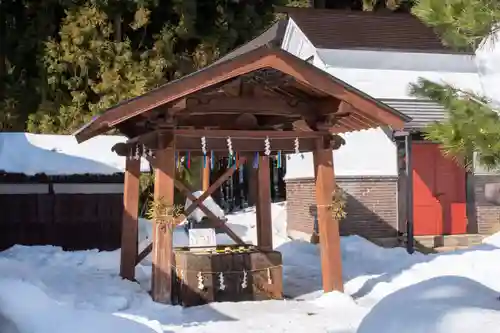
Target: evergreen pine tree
471, 125
89, 71
51, 68
462, 24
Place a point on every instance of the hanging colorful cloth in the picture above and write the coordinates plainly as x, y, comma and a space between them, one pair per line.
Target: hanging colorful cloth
278, 160
188, 159
242, 173
212, 158
256, 160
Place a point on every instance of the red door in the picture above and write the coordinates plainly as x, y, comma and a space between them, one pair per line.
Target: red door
438, 192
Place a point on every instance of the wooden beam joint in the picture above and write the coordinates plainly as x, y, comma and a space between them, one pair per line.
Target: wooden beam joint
242, 141
220, 104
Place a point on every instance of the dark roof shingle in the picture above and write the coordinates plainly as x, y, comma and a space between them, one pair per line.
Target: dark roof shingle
341, 29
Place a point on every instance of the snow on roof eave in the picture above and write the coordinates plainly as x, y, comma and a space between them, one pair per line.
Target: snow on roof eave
60, 155
393, 50
493, 105
59, 175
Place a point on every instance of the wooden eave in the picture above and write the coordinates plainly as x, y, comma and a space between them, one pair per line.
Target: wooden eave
364, 111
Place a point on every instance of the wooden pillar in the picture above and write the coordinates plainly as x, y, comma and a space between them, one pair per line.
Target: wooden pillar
205, 174
329, 236
130, 228
162, 252
263, 206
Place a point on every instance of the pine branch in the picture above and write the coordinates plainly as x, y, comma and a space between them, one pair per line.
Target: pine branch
462, 24
471, 125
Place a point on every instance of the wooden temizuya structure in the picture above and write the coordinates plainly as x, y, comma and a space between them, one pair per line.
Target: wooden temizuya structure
264, 101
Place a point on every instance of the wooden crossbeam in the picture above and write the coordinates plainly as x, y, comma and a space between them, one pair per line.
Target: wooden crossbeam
144, 253
209, 213
189, 140
168, 134
235, 134
222, 104
225, 176
219, 146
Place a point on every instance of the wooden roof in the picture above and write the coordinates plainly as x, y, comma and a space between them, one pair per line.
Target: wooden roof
341, 29
273, 37
262, 89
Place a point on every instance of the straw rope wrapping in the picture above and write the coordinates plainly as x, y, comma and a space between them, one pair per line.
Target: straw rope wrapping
164, 214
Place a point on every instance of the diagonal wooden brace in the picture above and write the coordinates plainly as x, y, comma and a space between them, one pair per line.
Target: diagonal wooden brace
228, 173
220, 223
144, 253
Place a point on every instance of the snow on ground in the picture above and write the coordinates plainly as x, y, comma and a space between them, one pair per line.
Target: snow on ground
46, 290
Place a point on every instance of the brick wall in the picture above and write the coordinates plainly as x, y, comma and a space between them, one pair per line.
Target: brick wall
371, 207
487, 215
300, 197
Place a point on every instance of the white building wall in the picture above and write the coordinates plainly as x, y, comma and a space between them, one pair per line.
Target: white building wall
382, 75
357, 157
488, 64
395, 84
296, 42
388, 75
366, 153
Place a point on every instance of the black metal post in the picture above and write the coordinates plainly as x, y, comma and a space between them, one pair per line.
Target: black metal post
410, 246
316, 225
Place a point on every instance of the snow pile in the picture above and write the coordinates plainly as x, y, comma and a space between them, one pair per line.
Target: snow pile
48, 315
242, 222
493, 240
46, 290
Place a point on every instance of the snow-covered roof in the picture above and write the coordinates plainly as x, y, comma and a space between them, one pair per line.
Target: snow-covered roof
32, 154
366, 153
